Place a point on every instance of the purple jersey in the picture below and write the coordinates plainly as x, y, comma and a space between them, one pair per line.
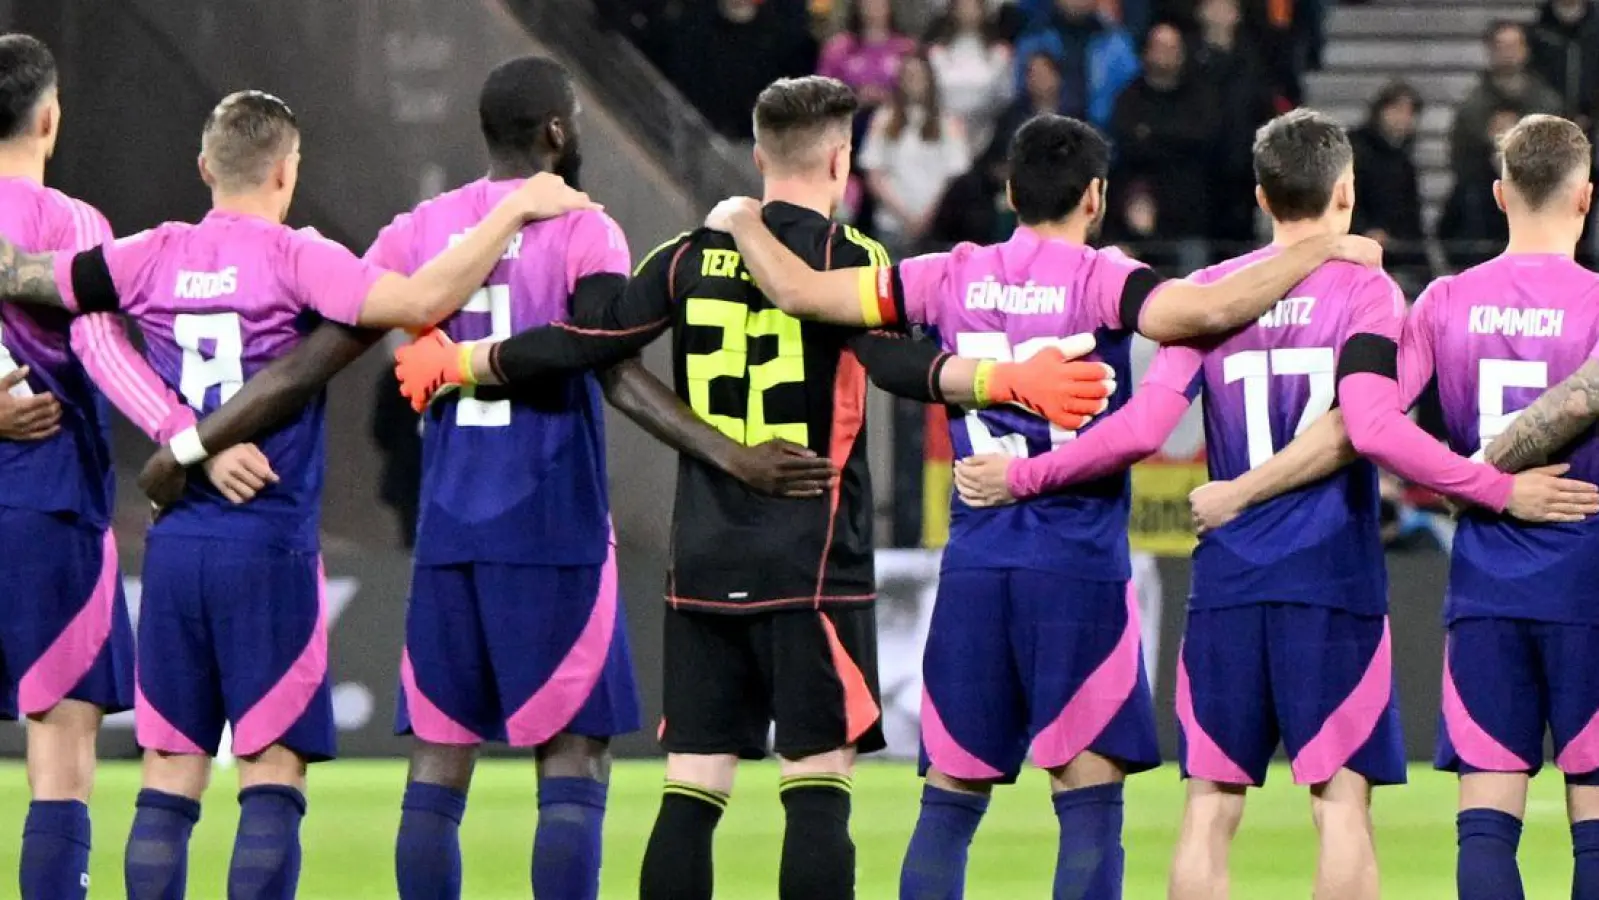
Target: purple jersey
1319, 545
1497, 335
217, 301
512, 476
1009, 301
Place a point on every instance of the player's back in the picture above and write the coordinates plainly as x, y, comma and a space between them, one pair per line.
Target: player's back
1263, 385
758, 374
513, 476
217, 302
71, 471
1009, 301
1501, 333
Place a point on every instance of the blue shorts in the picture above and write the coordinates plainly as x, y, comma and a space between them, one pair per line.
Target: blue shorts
232, 632
1019, 657
1320, 679
1505, 681
64, 631
515, 653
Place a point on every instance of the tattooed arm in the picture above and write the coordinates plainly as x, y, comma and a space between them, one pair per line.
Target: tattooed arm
29, 277
1552, 421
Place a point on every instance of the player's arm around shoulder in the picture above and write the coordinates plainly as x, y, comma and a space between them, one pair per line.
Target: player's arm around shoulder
1559, 416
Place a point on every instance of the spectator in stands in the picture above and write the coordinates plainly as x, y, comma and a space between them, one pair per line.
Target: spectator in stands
1473, 228
1565, 54
1387, 186
1224, 60
1506, 85
867, 53
756, 41
913, 150
1095, 57
1041, 93
1163, 130
972, 67
974, 208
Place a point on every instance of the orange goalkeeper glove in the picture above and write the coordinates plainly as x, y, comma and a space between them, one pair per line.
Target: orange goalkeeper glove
429, 363
1066, 392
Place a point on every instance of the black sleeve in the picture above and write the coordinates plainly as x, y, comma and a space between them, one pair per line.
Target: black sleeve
1140, 285
612, 319
902, 365
1371, 353
92, 284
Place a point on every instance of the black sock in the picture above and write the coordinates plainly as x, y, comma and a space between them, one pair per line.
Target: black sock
818, 854
677, 862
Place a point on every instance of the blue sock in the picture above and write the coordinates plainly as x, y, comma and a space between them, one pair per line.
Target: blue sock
427, 854
266, 849
1485, 865
1585, 852
156, 864
566, 847
935, 862
55, 851
1089, 864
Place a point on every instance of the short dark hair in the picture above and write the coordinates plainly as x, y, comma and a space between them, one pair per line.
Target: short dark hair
792, 114
519, 99
1391, 93
1541, 153
27, 72
1053, 160
1299, 157
245, 136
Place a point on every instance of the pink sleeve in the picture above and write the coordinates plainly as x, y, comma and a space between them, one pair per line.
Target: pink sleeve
124, 259
923, 283
1125, 437
597, 247
391, 250
1105, 284
329, 278
1417, 344
86, 228
1378, 308
101, 344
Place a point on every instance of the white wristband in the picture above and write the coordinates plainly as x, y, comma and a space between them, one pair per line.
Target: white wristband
187, 448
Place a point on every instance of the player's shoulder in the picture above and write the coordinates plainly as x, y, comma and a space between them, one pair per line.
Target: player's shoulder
308, 236
849, 246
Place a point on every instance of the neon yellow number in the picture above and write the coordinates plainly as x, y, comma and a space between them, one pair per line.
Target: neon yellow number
731, 360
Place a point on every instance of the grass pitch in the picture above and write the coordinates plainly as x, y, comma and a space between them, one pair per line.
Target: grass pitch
355, 806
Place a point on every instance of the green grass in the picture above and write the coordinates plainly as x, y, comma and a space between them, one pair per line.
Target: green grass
349, 835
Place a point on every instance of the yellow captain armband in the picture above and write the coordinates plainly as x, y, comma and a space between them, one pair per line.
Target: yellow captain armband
877, 296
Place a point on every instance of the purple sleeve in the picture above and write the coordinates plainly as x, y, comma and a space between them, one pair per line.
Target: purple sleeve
924, 282
328, 278
1125, 437
392, 249
597, 247
101, 343
1108, 278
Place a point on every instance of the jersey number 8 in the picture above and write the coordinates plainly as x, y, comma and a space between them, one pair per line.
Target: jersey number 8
731, 360
222, 368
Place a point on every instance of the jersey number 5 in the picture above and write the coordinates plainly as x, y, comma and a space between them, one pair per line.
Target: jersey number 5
221, 365
493, 300
1494, 376
1255, 369
731, 360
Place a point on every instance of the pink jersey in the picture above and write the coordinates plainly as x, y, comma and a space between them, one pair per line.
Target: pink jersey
512, 476
217, 301
71, 472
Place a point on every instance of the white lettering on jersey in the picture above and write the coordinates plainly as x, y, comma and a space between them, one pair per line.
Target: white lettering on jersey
207, 285
1517, 322
1026, 300
513, 250
1289, 311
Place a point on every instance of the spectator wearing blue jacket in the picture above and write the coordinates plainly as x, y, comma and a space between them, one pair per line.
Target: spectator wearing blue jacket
1096, 58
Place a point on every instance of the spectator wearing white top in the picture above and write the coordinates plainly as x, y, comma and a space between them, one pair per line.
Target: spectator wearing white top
973, 68
912, 152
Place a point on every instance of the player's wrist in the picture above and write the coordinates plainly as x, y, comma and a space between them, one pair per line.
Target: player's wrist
464, 372
989, 383
187, 448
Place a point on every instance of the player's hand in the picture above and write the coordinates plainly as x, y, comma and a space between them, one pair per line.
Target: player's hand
546, 195
162, 479
1066, 392
240, 472
26, 418
722, 216
424, 366
983, 480
1214, 504
1357, 249
1541, 495
779, 468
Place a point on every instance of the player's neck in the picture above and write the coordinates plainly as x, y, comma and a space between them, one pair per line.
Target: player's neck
260, 206
1071, 230
1532, 237
799, 193
22, 160
1286, 234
